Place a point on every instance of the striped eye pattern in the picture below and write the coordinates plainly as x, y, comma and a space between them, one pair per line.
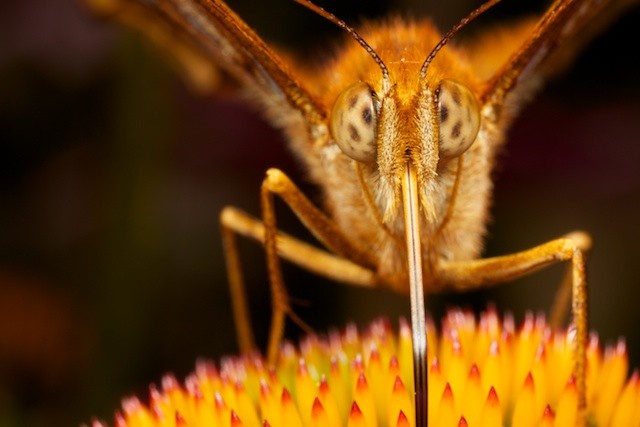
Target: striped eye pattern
459, 118
354, 120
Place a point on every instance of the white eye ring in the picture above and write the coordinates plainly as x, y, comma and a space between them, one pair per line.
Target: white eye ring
459, 118
354, 121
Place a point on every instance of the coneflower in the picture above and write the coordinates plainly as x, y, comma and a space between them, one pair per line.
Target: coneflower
483, 372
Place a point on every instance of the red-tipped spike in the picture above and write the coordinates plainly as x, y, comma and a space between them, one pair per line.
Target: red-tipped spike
403, 421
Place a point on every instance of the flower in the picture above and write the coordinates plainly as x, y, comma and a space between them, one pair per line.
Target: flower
482, 372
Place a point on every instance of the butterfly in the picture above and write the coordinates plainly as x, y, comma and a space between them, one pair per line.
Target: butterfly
400, 131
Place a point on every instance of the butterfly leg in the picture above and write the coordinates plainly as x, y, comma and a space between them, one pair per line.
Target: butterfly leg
490, 271
562, 299
277, 244
240, 307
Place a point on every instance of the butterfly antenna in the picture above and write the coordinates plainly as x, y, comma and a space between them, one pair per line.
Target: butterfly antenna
452, 32
357, 37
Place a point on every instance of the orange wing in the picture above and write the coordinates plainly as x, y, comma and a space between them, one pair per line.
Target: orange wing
540, 49
202, 35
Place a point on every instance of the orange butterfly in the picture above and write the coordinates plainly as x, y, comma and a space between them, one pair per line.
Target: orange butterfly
400, 132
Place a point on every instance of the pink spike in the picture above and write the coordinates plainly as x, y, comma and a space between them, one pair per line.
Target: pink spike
448, 393
402, 420
286, 396
324, 386
435, 366
316, 409
528, 382
131, 404
120, 420
474, 372
362, 382
170, 383
492, 398
355, 409
180, 421
548, 413
235, 420
393, 363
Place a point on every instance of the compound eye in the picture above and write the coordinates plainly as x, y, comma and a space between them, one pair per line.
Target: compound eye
459, 118
353, 122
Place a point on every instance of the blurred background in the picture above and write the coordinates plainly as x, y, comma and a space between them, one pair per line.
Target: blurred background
113, 173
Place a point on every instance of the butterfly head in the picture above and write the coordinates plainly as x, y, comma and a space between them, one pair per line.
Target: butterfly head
357, 120
384, 131
410, 114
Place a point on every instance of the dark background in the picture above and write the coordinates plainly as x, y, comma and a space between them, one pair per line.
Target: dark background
112, 175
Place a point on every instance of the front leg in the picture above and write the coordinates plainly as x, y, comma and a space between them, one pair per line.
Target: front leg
464, 275
321, 226
352, 265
